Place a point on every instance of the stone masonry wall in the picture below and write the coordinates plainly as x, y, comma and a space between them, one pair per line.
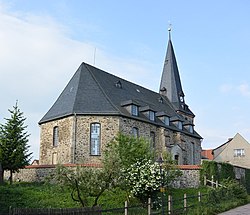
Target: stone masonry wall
109, 129
39, 173
74, 139
62, 152
166, 139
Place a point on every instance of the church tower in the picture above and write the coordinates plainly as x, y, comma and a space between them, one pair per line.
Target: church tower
170, 85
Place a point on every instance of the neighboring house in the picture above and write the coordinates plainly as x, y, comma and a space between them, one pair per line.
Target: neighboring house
235, 151
96, 105
207, 154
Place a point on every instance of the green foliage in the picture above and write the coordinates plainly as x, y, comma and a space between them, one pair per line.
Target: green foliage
129, 150
85, 182
226, 171
230, 191
13, 142
247, 180
209, 169
220, 171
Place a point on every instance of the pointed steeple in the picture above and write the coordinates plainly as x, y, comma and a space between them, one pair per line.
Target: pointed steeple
170, 85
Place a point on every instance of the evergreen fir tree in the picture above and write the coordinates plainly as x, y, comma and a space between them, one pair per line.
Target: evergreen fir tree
14, 147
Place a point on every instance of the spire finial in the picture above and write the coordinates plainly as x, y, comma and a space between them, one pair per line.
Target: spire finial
169, 29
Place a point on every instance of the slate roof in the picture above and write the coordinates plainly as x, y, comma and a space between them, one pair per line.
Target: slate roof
171, 81
92, 91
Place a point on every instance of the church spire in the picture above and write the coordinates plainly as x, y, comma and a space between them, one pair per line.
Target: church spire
170, 85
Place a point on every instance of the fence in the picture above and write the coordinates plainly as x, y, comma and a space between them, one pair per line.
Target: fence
211, 182
172, 206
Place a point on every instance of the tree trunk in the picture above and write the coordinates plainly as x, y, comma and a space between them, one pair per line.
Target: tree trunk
1, 174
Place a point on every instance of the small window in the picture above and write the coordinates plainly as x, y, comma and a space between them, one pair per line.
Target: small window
239, 152
152, 139
152, 115
95, 140
191, 129
135, 132
55, 136
166, 120
134, 110
179, 125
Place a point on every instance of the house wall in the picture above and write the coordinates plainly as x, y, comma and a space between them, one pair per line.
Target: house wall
227, 154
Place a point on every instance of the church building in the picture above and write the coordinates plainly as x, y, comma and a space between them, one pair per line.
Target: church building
96, 105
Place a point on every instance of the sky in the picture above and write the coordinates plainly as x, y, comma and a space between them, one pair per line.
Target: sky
43, 42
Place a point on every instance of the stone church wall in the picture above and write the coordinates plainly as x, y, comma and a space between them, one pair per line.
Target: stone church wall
61, 152
74, 139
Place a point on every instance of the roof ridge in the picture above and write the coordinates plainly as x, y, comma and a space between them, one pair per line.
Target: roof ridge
80, 70
101, 88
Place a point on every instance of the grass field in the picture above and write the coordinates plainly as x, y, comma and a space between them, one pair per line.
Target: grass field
37, 195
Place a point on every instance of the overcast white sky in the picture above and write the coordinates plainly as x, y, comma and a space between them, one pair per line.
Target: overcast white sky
43, 42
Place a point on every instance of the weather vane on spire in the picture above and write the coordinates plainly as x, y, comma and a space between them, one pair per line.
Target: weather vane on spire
169, 29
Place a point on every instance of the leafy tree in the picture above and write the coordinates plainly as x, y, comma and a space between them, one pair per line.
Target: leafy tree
129, 150
13, 143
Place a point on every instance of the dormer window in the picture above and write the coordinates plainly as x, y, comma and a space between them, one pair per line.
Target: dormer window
151, 115
191, 129
189, 126
148, 112
134, 110
131, 106
166, 120
179, 124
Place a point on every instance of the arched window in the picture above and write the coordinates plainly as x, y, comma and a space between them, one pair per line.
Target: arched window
135, 132
55, 136
95, 139
152, 139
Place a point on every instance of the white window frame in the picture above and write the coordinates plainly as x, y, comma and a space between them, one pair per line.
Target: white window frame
151, 115
95, 139
239, 152
134, 110
55, 136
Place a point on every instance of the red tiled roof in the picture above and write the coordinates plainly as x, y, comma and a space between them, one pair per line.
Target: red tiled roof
208, 154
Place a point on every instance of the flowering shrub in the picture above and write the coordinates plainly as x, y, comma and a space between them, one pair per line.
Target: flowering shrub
144, 178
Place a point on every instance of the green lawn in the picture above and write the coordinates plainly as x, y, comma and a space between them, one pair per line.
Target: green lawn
35, 195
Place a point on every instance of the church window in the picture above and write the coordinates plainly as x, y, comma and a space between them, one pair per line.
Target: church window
135, 132
134, 110
239, 152
95, 141
152, 139
55, 136
152, 115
